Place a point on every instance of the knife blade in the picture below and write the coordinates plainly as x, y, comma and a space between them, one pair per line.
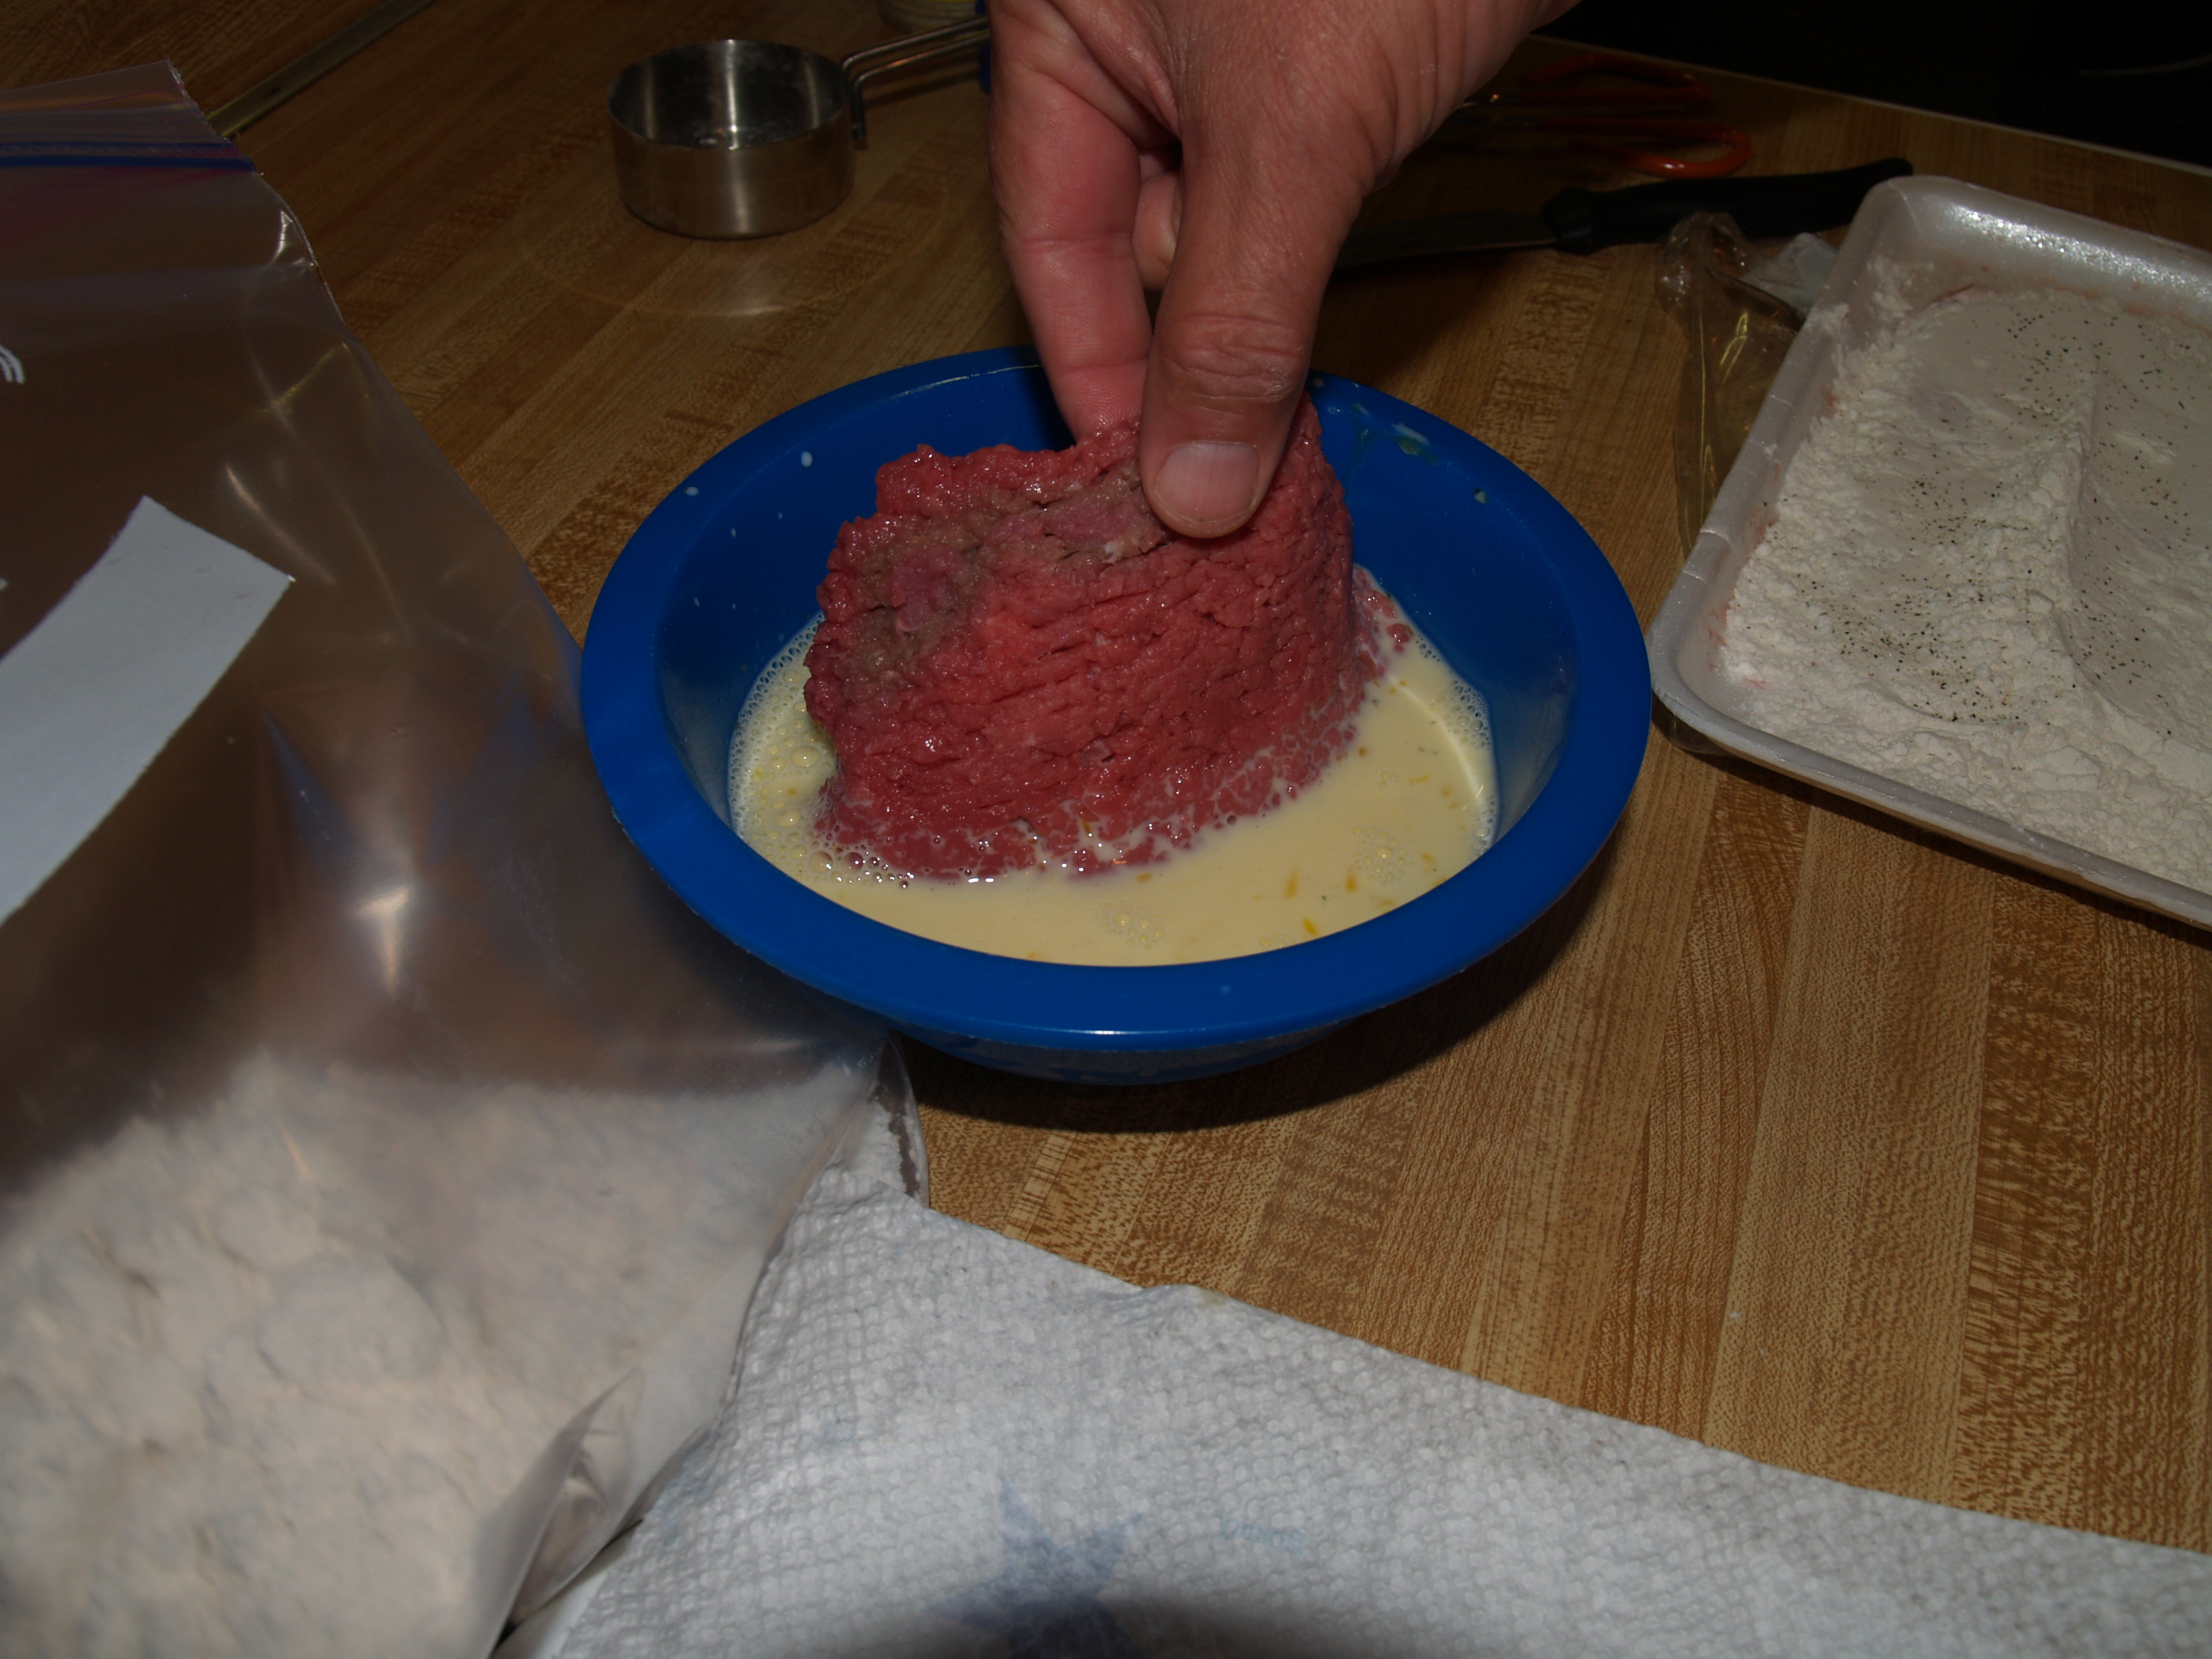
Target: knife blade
1584, 221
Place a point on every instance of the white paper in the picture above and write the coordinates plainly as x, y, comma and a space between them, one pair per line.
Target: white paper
91, 694
946, 1445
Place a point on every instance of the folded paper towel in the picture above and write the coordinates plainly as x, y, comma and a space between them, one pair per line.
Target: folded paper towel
944, 1443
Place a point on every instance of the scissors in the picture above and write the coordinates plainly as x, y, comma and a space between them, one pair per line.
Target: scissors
1640, 125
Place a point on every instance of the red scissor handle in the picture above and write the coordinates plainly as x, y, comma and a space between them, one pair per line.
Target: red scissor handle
1565, 82
1557, 97
1590, 134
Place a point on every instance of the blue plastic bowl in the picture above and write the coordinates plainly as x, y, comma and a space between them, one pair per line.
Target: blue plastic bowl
1483, 561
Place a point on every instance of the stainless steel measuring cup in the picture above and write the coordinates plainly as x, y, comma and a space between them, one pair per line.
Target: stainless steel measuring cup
751, 137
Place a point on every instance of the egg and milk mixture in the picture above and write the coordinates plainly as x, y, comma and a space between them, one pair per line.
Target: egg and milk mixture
1410, 804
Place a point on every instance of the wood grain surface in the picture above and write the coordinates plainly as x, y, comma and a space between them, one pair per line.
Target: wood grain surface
1789, 1128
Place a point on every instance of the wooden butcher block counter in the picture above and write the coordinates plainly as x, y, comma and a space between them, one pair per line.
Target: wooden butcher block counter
1789, 1128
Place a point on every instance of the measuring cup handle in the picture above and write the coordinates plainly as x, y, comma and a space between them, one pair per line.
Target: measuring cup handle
905, 52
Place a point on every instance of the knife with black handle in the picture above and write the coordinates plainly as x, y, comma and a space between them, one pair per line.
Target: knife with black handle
1584, 221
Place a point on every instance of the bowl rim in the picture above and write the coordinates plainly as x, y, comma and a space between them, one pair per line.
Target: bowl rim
920, 984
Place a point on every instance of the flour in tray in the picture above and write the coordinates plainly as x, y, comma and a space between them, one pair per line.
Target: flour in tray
1987, 576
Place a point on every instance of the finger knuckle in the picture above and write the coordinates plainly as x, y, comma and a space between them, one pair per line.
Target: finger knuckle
1237, 359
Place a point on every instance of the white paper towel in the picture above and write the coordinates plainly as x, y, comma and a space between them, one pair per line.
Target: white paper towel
944, 1443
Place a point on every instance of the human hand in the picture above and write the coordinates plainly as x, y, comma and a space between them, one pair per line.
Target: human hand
1217, 151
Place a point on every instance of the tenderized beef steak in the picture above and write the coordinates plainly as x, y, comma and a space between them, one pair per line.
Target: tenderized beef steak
1018, 665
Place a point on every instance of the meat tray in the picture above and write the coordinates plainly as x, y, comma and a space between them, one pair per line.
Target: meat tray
1942, 235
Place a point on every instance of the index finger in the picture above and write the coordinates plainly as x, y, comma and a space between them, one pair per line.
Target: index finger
1066, 174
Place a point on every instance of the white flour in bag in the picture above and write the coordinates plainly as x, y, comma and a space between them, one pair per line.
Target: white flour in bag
266, 1370
1988, 577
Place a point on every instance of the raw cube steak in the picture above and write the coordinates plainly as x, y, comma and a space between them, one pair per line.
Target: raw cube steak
1018, 665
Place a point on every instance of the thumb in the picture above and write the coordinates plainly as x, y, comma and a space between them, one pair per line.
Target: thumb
1251, 257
